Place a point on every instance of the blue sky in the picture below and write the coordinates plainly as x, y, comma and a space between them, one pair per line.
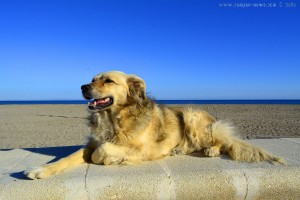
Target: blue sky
187, 49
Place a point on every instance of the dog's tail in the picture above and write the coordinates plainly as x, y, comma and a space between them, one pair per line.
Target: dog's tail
223, 136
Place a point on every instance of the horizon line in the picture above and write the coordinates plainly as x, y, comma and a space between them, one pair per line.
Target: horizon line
157, 99
225, 99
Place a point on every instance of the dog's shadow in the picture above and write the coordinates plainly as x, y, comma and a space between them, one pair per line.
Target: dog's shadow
58, 152
200, 154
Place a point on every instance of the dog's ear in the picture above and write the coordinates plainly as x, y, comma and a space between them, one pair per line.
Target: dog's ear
137, 88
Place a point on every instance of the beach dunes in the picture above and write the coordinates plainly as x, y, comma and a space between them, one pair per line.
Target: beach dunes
25, 126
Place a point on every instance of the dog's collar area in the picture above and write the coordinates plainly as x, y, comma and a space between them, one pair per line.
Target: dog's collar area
99, 104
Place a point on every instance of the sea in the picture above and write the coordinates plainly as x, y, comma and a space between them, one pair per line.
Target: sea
264, 101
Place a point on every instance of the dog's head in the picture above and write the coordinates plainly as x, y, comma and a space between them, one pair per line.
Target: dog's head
114, 89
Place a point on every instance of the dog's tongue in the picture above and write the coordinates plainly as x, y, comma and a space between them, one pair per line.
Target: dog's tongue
102, 101
97, 102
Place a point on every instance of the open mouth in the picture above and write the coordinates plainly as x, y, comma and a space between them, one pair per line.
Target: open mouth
100, 104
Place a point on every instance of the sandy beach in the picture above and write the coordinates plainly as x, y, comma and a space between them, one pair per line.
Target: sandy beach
25, 126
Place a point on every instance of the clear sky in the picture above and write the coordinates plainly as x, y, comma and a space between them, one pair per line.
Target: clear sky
184, 49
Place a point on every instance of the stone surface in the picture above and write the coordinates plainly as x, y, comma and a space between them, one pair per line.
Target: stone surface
178, 177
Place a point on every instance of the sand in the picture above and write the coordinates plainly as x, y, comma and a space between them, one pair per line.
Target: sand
26, 126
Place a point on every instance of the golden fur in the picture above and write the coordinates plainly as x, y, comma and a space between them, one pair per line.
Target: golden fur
127, 128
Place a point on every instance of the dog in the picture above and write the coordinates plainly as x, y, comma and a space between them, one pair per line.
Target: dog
127, 128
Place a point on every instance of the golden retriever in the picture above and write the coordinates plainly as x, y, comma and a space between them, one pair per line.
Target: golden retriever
127, 127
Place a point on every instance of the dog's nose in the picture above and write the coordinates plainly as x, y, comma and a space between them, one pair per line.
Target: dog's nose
85, 88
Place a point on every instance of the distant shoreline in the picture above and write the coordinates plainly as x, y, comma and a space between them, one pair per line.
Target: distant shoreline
199, 102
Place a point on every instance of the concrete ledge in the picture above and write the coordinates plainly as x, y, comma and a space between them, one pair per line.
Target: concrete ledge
178, 177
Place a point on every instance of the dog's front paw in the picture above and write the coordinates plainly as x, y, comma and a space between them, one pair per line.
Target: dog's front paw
107, 155
177, 151
36, 173
111, 160
100, 156
212, 151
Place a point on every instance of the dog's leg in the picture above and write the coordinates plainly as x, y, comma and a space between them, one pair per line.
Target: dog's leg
81, 156
112, 154
213, 151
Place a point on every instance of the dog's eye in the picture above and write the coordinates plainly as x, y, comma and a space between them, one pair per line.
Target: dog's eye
108, 81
